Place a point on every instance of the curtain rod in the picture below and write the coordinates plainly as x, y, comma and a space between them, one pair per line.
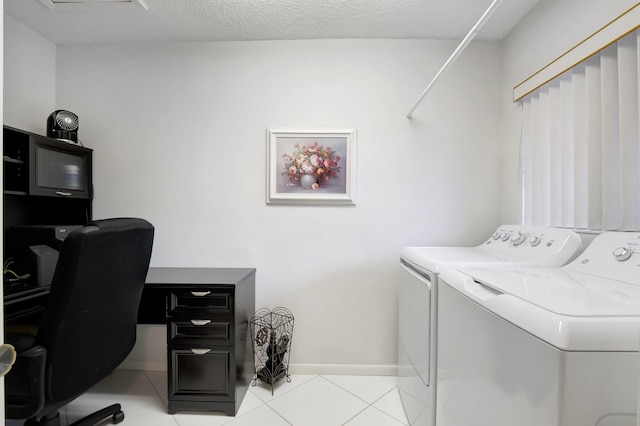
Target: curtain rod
492, 7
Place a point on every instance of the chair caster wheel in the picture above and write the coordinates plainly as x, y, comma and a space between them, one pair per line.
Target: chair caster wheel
118, 417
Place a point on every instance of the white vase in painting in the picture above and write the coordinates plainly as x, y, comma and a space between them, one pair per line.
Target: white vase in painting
307, 181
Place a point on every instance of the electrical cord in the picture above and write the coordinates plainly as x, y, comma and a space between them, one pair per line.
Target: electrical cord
6, 271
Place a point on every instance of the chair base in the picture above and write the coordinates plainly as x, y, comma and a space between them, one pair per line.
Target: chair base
114, 411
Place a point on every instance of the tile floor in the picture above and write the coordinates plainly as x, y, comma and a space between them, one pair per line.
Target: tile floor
307, 401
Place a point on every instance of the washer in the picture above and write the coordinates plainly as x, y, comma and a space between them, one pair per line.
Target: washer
417, 299
542, 346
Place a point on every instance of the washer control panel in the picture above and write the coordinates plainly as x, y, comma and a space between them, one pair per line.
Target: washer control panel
540, 245
614, 255
523, 236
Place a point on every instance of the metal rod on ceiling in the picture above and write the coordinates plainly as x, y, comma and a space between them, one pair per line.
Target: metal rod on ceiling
463, 44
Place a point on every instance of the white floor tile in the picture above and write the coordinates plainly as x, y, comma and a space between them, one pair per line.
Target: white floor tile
391, 404
159, 381
155, 415
201, 418
308, 400
263, 416
368, 388
317, 403
263, 390
249, 403
372, 416
132, 390
413, 407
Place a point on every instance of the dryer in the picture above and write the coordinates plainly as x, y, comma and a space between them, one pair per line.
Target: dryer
542, 346
417, 299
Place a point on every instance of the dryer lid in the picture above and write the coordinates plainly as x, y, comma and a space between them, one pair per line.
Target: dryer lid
433, 258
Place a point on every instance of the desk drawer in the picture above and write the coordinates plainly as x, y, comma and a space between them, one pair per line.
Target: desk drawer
218, 331
200, 300
200, 373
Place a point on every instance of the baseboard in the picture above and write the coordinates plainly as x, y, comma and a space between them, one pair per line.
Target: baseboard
316, 369
344, 369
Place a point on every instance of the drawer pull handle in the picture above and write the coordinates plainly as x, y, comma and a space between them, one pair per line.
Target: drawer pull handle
64, 194
200, 293
198, 351
200, 322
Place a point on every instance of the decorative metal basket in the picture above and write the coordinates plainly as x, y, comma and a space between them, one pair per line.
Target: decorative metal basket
271, 333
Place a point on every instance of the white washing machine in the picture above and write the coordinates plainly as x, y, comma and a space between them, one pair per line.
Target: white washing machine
417, 299
542, 346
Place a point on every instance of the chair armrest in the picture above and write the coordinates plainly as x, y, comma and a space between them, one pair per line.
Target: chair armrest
33, 367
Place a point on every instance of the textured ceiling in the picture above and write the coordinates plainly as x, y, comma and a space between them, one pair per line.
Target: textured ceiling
191, 20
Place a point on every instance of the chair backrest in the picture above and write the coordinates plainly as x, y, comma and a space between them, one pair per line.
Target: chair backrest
89, 324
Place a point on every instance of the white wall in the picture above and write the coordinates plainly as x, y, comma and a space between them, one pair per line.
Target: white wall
179, 137
552, 28
29, 77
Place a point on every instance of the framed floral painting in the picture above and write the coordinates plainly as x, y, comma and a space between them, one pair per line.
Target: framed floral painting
311, 166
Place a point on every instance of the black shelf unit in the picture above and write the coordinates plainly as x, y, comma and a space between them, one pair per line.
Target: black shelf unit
28, 202
45, 182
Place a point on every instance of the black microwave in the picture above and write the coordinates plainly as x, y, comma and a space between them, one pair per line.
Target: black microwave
58, 168
38, 165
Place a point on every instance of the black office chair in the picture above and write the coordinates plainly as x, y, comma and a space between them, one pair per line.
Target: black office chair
89, 323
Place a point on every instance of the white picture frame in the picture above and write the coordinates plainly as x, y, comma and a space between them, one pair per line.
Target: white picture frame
311, 166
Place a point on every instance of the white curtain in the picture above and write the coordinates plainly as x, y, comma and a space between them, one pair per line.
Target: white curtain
581, 152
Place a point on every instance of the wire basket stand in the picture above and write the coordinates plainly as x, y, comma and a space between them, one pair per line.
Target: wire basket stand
271, 333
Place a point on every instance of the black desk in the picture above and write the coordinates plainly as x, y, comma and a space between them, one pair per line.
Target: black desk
207, 313
26, 306
209, 352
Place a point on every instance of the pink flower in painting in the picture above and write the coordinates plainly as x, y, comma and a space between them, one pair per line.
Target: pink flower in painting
315, 186
307, 167
315, 160
293, 170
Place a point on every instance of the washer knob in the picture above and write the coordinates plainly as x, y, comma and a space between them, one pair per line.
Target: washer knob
495, 235
534, 240
504, 236
622, 253
518, 238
